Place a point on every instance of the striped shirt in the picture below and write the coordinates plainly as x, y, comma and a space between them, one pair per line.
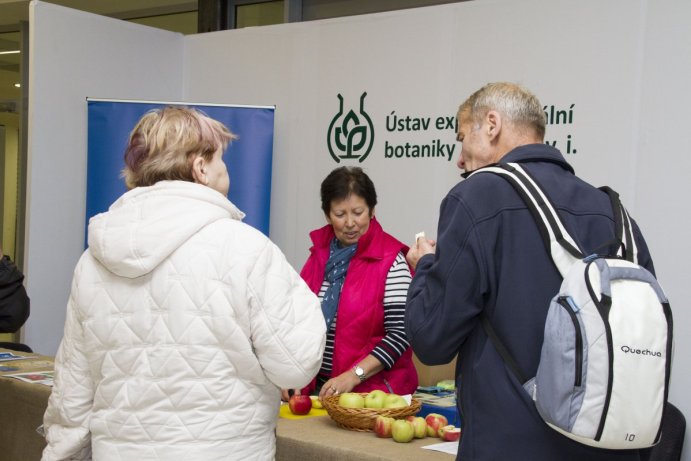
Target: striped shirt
394, 342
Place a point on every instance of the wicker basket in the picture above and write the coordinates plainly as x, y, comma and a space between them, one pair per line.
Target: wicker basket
362, 419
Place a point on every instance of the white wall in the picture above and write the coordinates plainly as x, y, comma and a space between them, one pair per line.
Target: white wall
623, 64
662, 181
75, 55
423, 63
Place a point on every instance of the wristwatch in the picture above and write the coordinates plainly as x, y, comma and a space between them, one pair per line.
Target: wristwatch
360, 373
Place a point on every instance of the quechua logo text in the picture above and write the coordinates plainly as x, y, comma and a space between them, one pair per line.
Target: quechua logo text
351, 134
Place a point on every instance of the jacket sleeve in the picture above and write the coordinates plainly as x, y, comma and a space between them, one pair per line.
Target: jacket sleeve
445, 296
288, 328
14, 302
66, 421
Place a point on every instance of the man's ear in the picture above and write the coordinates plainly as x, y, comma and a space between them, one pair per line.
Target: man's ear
199, 170
494, 124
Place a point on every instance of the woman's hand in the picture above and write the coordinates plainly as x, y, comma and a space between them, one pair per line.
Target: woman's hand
345, 382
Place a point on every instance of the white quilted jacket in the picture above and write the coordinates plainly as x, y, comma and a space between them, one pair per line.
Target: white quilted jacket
182, 325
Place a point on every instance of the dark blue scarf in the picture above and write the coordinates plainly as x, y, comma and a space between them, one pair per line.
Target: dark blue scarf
334, 273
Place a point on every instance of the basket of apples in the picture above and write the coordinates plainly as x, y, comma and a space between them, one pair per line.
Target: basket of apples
357, 411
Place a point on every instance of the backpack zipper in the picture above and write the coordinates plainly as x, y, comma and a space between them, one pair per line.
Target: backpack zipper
564, 302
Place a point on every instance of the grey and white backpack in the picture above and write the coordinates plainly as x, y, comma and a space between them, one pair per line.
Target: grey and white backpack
605, 363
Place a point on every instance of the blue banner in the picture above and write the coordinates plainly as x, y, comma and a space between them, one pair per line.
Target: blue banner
248, 158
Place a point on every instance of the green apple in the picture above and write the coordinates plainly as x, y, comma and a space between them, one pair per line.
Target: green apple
419, 425
351, 400
402, 431
375, 399
394, 401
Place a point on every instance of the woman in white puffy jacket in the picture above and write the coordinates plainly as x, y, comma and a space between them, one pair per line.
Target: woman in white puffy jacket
183, 323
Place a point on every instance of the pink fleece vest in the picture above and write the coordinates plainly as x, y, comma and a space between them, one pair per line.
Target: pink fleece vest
360, 322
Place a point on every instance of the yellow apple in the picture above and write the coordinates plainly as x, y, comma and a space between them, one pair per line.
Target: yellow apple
419, 425
394, 401
351, 400
375, 399
402, 431
316, 403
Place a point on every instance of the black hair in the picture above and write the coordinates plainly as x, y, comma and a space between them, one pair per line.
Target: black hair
344, 181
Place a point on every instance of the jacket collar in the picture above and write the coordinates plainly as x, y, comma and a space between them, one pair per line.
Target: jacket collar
533, 153
537, 153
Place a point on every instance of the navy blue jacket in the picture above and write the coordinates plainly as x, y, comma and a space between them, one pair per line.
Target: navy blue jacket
490, 258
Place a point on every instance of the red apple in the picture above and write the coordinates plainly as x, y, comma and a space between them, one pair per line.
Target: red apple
450, 433
419, 425
300, 404
382, 426
435, 421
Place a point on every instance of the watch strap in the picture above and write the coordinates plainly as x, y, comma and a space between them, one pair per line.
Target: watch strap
360, 373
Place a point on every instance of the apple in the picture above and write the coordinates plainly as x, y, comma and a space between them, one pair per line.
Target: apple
300, 404
351, 400
450, 433
316, 403
382, 426
375, 399
435, 421
419, 425
402, 431
394, 401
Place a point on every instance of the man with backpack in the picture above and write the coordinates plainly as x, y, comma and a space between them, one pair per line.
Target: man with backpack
490, 263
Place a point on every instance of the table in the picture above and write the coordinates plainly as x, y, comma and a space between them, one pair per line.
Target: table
21, 409
319, 438
316, 438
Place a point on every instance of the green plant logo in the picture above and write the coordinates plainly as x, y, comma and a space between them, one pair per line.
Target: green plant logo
350, 135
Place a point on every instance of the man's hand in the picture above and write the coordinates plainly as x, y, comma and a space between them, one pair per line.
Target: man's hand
420, 248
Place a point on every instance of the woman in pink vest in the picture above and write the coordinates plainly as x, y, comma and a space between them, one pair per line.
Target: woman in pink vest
361, 277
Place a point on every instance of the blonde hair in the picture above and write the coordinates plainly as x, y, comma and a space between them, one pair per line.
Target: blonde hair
164, 143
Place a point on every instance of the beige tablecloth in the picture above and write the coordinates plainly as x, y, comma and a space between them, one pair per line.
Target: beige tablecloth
318, 438
21, 409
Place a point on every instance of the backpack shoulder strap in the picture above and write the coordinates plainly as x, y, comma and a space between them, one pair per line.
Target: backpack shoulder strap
559, 244
501, 348
623, 228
